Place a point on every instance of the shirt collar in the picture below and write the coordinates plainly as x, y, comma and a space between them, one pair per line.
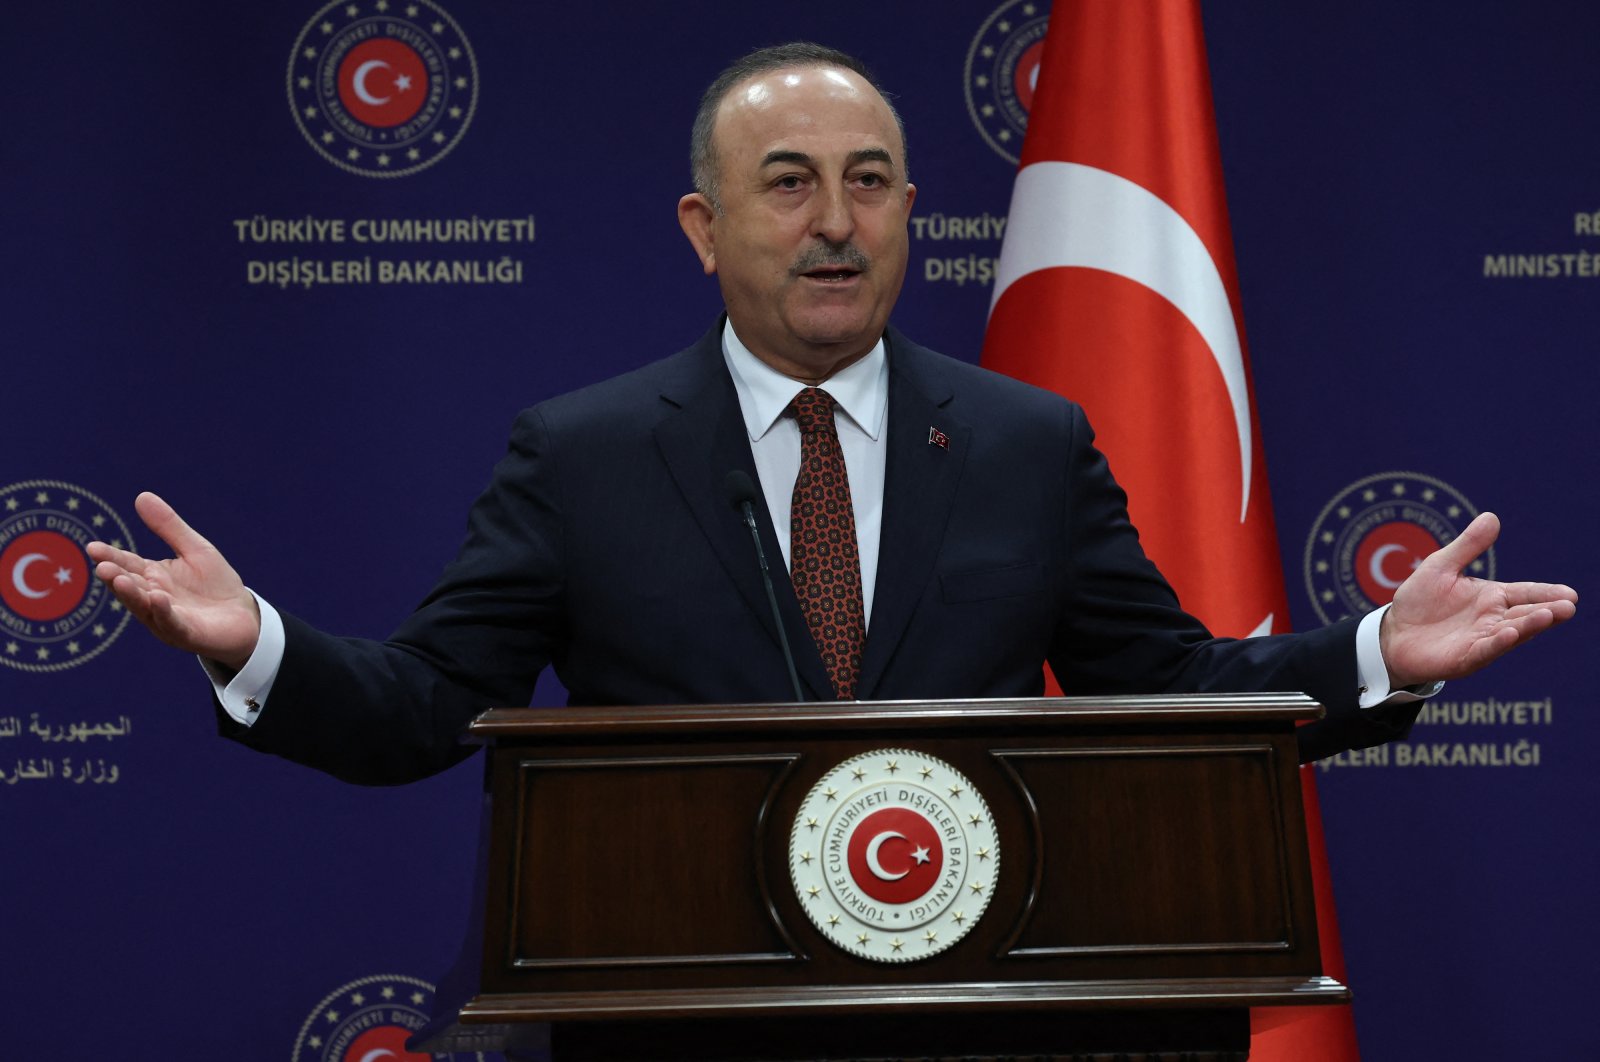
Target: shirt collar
861, 389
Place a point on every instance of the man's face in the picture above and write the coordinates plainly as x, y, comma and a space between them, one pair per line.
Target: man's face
810, 247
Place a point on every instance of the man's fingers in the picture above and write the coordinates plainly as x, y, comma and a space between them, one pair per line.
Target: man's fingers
101, 553
161, 618
1512, 631
1540, 594
164, 520
1490, 648
152, 607
1526, 625
108, 572
1470, 544
145, 580
1516, 612
133, 594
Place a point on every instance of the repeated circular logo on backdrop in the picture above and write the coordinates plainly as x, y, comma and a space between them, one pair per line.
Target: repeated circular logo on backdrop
894, 855
1002, 71
383, 88
368, 1020
1374, 533
54, 614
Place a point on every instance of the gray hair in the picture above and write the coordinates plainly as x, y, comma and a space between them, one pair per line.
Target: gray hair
702, 147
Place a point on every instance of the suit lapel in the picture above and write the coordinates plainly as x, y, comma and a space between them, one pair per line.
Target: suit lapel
920, 480
702, 439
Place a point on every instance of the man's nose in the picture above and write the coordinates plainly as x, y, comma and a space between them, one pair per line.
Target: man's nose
833, 220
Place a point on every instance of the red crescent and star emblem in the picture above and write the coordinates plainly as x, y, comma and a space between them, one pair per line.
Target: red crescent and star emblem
370, 1019
1374, 533
382, 88
43, 575
1002, 71
893, 855
383, 82
53, 613
1025, 78
1390, 553
387, 1043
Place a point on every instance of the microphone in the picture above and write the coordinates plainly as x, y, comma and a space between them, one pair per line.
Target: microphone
742, 496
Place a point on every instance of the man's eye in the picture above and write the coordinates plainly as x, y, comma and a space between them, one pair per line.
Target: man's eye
789, 183
871, 180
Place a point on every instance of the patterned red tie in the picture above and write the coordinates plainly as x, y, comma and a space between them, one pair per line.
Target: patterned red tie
824, 564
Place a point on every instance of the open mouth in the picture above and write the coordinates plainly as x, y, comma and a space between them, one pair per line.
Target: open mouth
832, 276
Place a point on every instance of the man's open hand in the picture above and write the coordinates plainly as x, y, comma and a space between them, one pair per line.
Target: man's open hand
1445, 624
195, 601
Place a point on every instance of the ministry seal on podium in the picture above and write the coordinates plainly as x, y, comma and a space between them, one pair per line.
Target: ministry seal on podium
894, 855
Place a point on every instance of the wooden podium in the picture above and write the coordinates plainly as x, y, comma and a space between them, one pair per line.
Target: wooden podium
638, 902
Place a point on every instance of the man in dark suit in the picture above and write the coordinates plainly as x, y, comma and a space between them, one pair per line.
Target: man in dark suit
950, 531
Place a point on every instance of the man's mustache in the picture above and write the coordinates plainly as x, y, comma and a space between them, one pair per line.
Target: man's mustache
832, 256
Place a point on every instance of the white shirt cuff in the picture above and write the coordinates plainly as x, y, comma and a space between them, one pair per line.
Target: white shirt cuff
1374, 673
244, 695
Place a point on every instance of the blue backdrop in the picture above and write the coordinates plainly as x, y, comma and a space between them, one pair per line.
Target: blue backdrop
1414, 198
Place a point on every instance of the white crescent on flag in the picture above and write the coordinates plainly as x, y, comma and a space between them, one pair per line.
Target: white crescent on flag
1068, 214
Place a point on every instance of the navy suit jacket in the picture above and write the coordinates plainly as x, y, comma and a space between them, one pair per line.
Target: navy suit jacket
606, 546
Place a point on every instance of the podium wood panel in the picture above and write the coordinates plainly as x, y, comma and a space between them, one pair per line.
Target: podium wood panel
590, 830
1153, 859
1099, 891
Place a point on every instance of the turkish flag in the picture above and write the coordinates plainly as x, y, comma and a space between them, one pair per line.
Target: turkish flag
1117, 288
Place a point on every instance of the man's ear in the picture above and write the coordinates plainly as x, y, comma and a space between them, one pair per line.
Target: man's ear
697, 217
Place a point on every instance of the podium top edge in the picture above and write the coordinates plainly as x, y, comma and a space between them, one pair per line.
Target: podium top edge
925, 715
841, 1000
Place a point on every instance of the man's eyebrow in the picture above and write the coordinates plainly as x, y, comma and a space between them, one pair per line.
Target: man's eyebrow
872, 155
800, 158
